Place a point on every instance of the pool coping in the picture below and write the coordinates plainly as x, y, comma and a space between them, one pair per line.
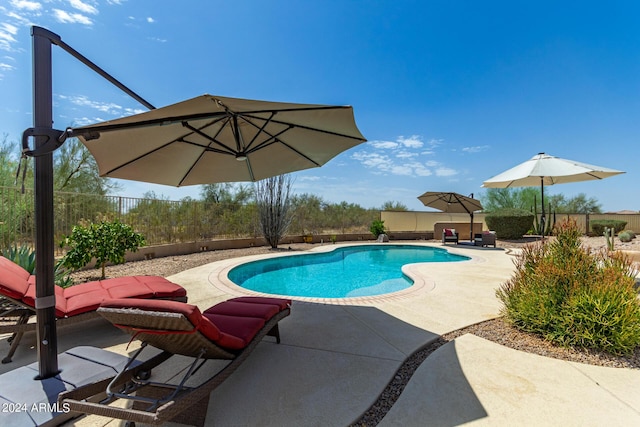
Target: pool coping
421, 283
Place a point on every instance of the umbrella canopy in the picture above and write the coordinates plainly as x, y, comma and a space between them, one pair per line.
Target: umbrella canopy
543, 169
217, 139
452, 203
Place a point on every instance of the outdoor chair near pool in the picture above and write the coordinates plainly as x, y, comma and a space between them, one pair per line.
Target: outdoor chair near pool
73, 304
229, 330
449, 235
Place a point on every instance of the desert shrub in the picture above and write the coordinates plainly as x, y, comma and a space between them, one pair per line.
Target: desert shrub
509, 223
573, 297
625, 236
598, 226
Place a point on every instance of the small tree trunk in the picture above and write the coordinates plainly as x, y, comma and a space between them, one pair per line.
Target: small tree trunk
274, 207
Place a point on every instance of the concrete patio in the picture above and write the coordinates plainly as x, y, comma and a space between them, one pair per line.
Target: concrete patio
335, 358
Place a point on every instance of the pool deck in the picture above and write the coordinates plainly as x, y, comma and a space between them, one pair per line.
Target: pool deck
335, 358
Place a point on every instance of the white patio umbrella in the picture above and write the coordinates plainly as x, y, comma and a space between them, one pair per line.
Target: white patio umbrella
543, 169
211, 139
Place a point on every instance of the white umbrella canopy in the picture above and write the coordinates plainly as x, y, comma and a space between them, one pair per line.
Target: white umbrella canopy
543, 169
218, 139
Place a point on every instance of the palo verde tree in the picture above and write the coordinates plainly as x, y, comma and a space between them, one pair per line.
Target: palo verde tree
274, 207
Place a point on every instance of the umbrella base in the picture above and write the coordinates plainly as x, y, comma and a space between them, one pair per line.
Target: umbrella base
27, 401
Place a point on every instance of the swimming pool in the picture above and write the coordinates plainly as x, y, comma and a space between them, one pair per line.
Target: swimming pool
351, 271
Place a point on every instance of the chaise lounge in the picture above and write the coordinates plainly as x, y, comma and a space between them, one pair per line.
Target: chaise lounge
73, 304
229, 330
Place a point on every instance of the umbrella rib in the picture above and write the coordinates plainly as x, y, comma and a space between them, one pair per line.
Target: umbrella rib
245, 116
228, 150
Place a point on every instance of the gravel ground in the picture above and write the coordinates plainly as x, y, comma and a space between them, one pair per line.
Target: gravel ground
495, 330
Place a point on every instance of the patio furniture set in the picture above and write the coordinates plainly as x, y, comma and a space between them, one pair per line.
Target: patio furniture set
154, 311
486, 238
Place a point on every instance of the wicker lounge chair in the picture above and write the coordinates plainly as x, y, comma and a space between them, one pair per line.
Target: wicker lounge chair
74, 304
229, 330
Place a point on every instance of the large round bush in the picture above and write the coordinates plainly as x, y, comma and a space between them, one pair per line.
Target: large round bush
509, 223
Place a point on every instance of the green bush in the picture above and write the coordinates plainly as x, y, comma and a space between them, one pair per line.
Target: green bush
598, 225
104, 241
573, 297
625, 236
377, 227
509, 223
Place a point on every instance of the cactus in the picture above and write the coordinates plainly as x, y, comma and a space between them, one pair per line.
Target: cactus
608, 235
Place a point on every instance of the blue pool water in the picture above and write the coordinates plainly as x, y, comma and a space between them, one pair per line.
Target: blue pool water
345, 272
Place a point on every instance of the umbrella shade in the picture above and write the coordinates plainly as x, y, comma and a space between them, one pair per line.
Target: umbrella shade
216, 139
544, 169
450, 202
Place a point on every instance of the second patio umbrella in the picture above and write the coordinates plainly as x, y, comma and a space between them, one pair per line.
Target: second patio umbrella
452, 203
543, 169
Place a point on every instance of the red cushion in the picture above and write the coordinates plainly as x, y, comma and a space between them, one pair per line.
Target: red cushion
29, 297
448, 232
162, 288
191, 312
13, 279
88, 301
280, 302
81, 288
245, 309
244, 328
146, 286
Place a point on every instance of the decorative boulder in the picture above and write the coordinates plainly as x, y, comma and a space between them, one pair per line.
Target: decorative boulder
382, 238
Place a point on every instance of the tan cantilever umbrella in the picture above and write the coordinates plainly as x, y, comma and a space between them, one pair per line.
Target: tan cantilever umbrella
217, 139
452, 203
543, 169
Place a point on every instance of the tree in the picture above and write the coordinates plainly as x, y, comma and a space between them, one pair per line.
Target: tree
274, 207
393, 206
528, 197
76, 171
105, 241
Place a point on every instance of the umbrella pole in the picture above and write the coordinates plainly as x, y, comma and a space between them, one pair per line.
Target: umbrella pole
542, 217
47, 342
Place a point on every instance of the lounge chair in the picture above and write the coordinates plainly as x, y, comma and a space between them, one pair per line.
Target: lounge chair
229, 330
449, 235
73, 304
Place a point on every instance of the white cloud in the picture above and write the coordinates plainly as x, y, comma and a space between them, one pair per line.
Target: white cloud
31, 6
6, 67
444, 171
414, 141
71, 18
384, 145
150, 20
476, 149
84, 101
83, 7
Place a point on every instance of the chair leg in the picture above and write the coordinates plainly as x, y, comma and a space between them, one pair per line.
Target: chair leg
15, 338
275, 332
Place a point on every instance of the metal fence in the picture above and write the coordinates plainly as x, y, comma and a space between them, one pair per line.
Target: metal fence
160, 221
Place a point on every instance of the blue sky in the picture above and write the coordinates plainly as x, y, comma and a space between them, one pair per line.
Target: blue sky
448, 93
